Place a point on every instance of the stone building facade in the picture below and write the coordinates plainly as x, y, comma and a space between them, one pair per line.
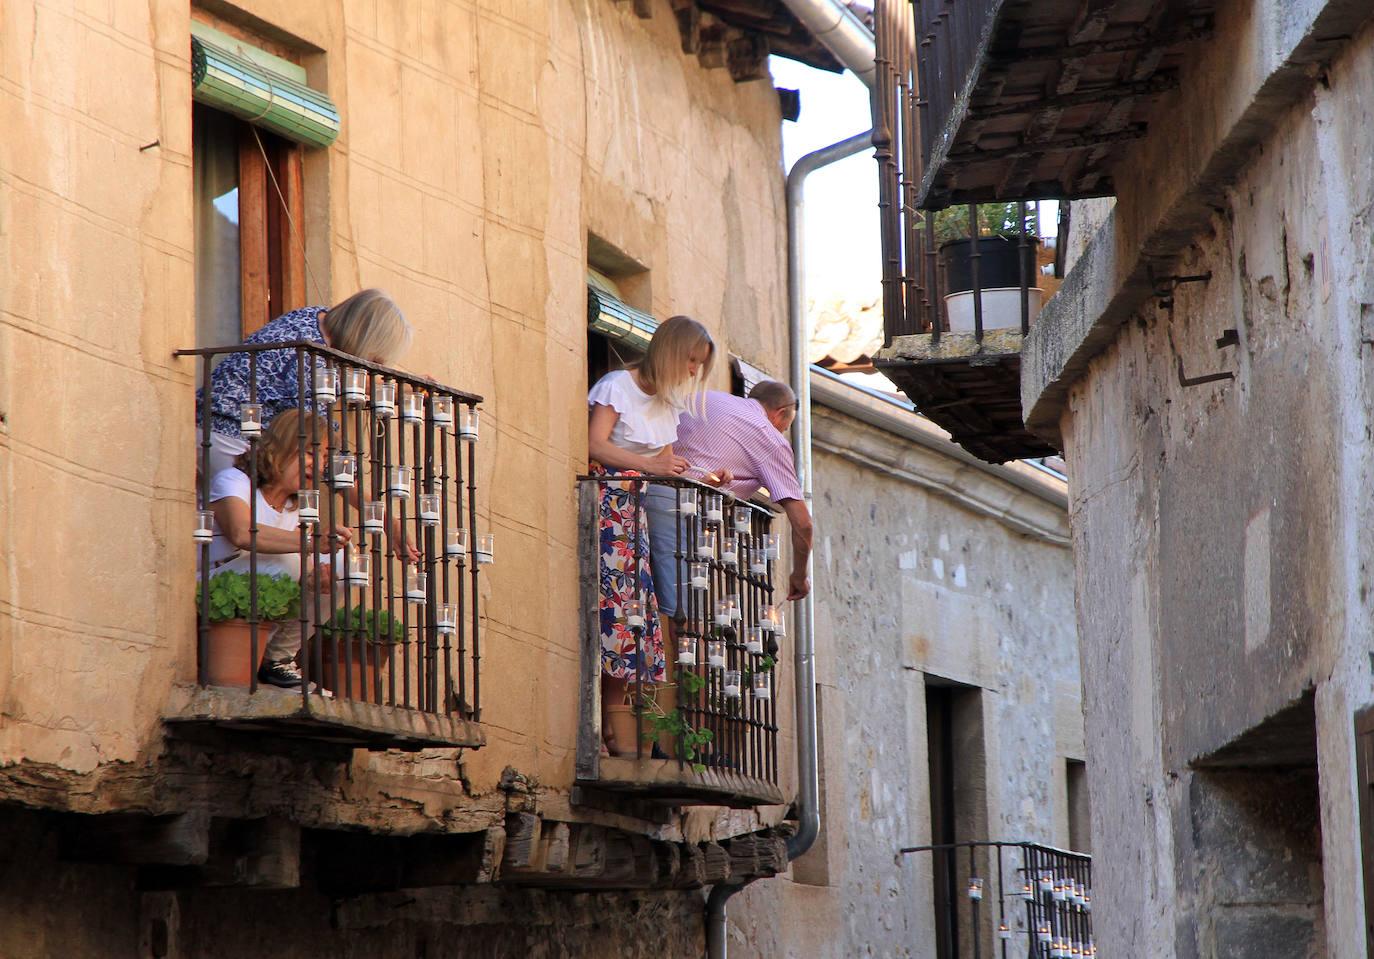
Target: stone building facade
1205, 369
489, 153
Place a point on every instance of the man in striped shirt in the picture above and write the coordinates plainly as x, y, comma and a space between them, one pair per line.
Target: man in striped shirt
743, 442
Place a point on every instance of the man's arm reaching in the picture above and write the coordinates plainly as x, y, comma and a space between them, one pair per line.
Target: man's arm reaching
798, 585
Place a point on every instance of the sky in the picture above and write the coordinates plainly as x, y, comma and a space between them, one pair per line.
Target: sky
843, 260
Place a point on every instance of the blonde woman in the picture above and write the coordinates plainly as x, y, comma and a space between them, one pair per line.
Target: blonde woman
368, 325
633, 416
277, 480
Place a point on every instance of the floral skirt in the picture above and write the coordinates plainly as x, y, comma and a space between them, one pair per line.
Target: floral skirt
621, 527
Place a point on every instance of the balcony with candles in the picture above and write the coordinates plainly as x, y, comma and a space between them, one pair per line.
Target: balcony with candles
706, 732
355, 556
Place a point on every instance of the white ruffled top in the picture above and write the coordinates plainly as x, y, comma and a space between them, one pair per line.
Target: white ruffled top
646, 423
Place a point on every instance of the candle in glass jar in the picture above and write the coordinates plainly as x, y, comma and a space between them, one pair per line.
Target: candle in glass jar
355, 386
359, 569
429, 509
634, 614
446, 620
706, 544
714, 508
415, 585
687, 650
342, 468
770, 545
413, 407
308, 506
250, 419
456, 544
486, 548
743, 521
384, 403
722, 612
729, 550
753, 640
757, 564
736, 610
699, 573
205, 526
326, 385
760, 686
467, 424
374, 516
768, 617
732, 683
400, 482
715, 653
780, 625
443, 411
1003, 932
687, 502
975, 889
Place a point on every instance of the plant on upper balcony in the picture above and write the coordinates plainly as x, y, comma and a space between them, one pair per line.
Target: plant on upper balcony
1001, 266
994, 219
231, 597
693, 741
365, 623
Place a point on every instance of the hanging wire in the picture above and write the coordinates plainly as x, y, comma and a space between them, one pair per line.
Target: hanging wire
286, 208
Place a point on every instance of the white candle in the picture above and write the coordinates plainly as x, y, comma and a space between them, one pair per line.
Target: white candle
250, 419
729, 550
736, 611
205, 526
446, 621
757, 565
342, 469
743, 521
706, 544
413, 408
359, 569
722, 612
400, 482
732, 683
374, 516
326, 385
443, 411
753, 640
687, 502
429, 509
415, 585
384, 403
308, 506
355, 386
699, 573
467, 424
780, 626
715, 654
456, 544
634, 614
687, 650
486, 548
768, 618
760, 686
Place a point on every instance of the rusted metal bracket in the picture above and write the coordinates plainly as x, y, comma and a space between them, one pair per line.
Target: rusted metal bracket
1163, 286
1228, 338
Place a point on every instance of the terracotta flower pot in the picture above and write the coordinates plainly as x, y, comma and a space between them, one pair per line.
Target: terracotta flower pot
621, 718
357, 668
229, 657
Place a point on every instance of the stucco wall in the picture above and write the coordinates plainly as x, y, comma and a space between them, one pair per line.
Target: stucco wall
481, 143
911, 582
1220, 547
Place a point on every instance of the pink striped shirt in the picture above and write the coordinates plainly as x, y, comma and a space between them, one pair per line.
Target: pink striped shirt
736, 435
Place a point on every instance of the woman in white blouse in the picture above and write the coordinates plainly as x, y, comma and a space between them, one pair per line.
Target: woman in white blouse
633, 423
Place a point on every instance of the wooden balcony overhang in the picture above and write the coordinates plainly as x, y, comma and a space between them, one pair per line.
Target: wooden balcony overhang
970, 388
1042, 98
666, 782
326, 720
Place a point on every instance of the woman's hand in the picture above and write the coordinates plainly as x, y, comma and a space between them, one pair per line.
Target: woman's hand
667, 463
400, 547
338, 536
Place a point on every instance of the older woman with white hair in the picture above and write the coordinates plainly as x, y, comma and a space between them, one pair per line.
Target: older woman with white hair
368, 325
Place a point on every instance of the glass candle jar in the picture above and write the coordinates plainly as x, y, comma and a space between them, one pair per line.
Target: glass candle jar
326, 385
731, 689
687, 502
744, 522
722, 612
374, 516
456, 544
308, 506
770, 545
384, 403
467, 424
446, 619
706, 544
415, 585
761, 686
342, 469
634, 614
400, 482
687, 650
413, 408
250, 419
736, 610
359, 569
715, 507
715, 653
355, 386
205, 526
1042, 932
768, 617
758, 565
429, 509
443, 411
1003, 932
975, 889
486, 548
779, 625
729, 550
699, 575
753, 640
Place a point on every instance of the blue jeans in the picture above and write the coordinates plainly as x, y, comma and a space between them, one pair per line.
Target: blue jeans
660, 502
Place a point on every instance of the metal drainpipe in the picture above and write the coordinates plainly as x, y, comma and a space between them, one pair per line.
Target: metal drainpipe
840, 32
804, 657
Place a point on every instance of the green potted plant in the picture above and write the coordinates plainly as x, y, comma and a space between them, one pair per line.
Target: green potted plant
366, 638
229, 657
1000, 261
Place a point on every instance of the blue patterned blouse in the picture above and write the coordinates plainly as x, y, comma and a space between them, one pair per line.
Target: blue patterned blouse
278, 386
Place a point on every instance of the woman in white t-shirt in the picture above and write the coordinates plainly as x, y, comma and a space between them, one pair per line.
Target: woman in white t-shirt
279, 477
633, 423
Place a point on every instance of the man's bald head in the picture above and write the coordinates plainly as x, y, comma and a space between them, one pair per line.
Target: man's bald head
778, 402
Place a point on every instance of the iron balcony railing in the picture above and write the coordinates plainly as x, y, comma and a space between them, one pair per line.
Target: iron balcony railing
399, 622
1010, 899
924, 56
723, 664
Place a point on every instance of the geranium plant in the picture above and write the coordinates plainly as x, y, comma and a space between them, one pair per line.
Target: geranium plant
279, 597
388, 630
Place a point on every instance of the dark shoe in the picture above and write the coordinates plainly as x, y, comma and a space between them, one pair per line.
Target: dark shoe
658, 753
283, 674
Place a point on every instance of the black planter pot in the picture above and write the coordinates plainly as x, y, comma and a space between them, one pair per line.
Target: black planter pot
997, 266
